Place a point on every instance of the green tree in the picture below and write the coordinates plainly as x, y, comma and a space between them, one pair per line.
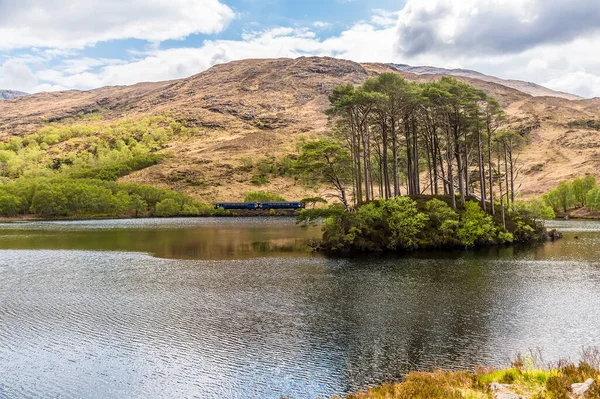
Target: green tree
564, 193
326, 162
551, 198
539, 210
581, 187
593, 200
190, 210
138, 205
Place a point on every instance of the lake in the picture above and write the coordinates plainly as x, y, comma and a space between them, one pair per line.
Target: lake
238, 308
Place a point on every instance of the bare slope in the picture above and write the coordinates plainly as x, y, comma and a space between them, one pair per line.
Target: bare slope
260, 109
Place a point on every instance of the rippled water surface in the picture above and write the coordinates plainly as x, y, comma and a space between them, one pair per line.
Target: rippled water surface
236, 308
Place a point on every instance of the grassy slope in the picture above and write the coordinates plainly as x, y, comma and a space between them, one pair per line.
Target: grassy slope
260, 109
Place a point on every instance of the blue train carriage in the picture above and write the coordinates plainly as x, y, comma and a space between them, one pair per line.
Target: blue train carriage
281, 205
237, 205
259, 205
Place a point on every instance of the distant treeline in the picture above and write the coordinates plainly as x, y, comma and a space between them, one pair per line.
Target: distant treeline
65, 197
575, 193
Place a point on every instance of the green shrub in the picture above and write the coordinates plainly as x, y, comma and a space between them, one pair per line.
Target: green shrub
440, 212
190, 210
261, 196
167, 208
476, 227
247, 164
404, 221
259, 179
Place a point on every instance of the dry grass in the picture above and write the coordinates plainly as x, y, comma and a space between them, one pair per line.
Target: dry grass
530, 377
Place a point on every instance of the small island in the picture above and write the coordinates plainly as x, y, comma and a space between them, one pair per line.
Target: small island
404, 224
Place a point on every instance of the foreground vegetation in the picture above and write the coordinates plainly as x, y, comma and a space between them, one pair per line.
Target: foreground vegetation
524, 379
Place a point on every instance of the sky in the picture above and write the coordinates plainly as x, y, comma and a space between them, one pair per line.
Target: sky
48, 45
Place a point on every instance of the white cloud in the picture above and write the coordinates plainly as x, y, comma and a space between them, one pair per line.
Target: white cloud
492, 26
567, 63
586, 84
384, 17
64, 24
321, 25
362, 43
16, 75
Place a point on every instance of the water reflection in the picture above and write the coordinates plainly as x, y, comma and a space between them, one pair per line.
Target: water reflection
121, 324
207, 238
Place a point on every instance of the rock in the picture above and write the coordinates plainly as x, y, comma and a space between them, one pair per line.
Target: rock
555, 235
501, 391
580, 389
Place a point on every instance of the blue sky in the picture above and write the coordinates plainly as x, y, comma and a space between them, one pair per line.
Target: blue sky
74, 44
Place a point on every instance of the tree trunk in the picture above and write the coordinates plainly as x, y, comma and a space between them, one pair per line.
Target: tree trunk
491, 170
481, 168
395, 160
459, 164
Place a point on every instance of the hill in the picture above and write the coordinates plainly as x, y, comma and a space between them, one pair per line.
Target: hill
247, 115
10, 94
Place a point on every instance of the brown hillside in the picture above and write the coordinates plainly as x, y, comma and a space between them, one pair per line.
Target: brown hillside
261, 108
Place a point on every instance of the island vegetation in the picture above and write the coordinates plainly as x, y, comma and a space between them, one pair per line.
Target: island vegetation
431, 165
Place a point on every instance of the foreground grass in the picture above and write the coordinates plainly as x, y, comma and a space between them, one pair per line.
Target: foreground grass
526, 382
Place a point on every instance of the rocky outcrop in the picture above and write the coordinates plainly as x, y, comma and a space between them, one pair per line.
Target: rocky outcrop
10, 94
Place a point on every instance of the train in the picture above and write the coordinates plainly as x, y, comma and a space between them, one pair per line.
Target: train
259, 205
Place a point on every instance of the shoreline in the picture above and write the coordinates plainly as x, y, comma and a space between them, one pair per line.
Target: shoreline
33, 218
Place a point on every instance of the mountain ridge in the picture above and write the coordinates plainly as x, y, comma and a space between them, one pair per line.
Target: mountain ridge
531, 88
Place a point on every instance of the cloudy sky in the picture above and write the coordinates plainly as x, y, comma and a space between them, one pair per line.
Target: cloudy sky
82, 44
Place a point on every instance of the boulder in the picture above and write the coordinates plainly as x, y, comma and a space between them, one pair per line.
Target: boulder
580, 389
501, 391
